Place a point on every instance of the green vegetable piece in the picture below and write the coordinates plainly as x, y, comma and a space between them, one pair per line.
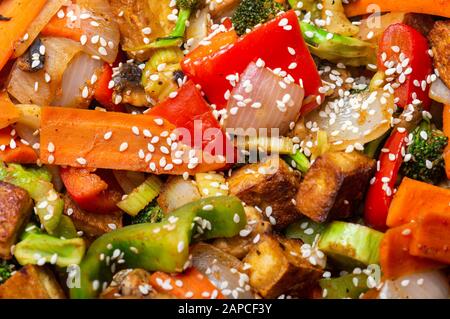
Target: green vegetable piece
141, 196
66, 229
153, 213
427, 149
49, 204
306, 230
372, 148
344, 287
299, 161
351, 245
160, 246
6, 270
249, 13
337, 48
42, 248
306, 6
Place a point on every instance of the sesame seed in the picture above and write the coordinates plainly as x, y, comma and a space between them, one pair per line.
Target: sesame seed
123, 147
107, 135
81, 160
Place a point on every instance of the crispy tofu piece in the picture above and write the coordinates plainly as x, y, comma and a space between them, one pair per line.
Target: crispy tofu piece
15, 210
277, 268
421, 22
90, 224
272, 183
220, 8
239, 246
32, 282
440, 43
333, 185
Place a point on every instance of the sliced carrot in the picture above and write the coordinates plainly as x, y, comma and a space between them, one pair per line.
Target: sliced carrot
62, 28
191, 284
218, 42
431, 238
8, 112
446, 120
413, 199
395, 257
433, 7
87, 138
18, 153
20, 14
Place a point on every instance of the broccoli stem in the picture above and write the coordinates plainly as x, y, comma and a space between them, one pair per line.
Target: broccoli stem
371, 148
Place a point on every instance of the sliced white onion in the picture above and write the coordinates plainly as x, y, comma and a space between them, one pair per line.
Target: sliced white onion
263, 99
47, 12
223, 270
129, 180
440, 92
426, 285
40, 87
76, 86
198, 28
101, 29
176, 193
358, 118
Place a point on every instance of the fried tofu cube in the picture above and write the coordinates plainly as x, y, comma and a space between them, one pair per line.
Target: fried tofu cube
15, 210
271, 186
440, 43
333, 185
32, 282
277, 267
239, 246
90, 224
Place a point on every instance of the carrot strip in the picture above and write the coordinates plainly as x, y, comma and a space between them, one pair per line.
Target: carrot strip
395, 258
21, 13
58, 27
433, 7
12, 150
431, 239
86, 138
191, 284
8, 112
413, 199
446, 120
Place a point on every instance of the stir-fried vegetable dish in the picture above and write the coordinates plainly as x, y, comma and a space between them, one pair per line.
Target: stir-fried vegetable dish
230, 149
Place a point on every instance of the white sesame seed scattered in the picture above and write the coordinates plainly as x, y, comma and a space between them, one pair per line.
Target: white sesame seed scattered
123, 147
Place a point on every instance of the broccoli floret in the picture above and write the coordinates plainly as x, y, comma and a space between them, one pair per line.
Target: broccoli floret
252, 12
188, 4
6, 270
426, 149
152, 213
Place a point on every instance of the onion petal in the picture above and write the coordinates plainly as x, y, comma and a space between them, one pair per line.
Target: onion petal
440, 92
358, 118
100, 29
40, 87
426, 285
263, 99
76, 87
217, 266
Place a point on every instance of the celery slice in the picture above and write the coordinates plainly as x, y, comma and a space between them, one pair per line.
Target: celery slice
139, 198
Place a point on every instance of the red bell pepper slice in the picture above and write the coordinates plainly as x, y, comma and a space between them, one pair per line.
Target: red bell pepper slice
279, 43
189, 110
103, 94
402, 40
94, 192
381, 190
